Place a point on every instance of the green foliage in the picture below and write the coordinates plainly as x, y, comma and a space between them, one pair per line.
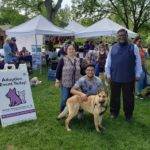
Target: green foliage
12, 17
88, 11
33, 7
148, 41
63, 16
80, 42
133, 14
143, 32
28, 6
15, 12
86, 21
47, 133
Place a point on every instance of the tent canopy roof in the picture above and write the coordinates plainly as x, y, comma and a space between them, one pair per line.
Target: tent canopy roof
104, 27
74, 26
38, 25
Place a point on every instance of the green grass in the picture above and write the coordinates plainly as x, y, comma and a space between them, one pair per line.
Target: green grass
46, 133
148, 64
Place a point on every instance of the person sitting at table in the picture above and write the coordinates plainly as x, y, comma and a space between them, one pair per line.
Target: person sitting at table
9, 56
25, 56
24, 52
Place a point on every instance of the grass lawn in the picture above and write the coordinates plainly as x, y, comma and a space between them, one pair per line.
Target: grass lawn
46, 133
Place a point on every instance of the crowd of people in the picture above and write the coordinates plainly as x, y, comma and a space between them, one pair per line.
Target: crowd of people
123, 66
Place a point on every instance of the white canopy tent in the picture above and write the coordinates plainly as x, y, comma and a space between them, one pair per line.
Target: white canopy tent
104, 27
38, 26
30, 32
74, 27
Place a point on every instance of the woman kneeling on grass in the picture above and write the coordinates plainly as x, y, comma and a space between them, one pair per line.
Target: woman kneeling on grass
67, 73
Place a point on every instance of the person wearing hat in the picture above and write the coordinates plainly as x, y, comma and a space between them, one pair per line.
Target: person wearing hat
123, 68
13, 45
14, 50
8, 54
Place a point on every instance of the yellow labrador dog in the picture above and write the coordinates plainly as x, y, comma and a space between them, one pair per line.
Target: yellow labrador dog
95, 104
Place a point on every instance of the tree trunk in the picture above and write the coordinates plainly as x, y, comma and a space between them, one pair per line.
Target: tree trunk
52, 10
135, 28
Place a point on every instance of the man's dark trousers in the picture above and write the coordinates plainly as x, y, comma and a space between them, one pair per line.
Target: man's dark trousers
127, 90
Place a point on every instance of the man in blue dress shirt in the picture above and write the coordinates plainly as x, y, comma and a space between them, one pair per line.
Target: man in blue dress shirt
123, 68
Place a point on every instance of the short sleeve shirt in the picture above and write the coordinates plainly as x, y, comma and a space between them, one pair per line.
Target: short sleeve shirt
89, 87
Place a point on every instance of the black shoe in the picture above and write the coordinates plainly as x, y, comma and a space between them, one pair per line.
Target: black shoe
129, 119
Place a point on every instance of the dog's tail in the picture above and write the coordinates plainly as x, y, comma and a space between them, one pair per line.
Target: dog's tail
63, 113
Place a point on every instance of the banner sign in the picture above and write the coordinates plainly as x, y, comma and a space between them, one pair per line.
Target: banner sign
16, 103
36, 60
36, 48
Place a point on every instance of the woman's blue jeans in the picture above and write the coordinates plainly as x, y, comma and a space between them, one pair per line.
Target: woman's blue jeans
141, 84
65, 94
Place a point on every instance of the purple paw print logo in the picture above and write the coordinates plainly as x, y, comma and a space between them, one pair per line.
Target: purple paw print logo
16, 99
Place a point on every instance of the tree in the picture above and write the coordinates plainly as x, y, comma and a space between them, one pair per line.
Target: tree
88, 11
63, 17
133, 13
34, 6
52, 9
12, 17
148, 41
28, 7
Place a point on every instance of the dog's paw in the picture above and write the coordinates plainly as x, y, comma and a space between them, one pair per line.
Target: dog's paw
98, 131
69, 129
103, 128
102, 132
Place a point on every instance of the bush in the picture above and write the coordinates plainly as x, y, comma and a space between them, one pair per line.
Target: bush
148, 42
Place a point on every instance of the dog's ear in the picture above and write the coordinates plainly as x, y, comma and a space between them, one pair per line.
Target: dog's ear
99, 91
105, 89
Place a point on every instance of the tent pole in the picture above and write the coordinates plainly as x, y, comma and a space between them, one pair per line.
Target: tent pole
36, 53
36, 41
